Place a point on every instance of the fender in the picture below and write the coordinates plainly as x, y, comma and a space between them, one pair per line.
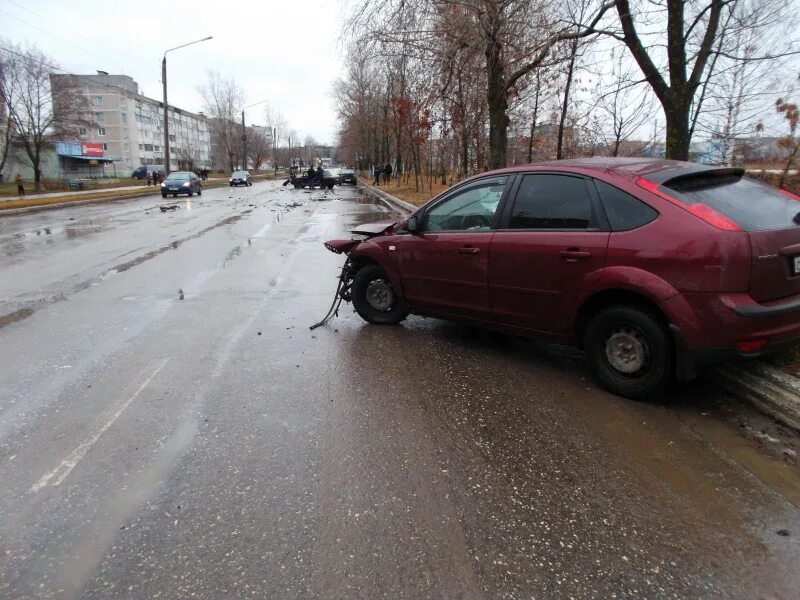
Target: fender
369, 249
638, 281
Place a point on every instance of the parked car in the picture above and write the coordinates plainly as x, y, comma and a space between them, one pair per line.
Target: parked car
654, 267
240, 178
143, 172
347, 176
181, 182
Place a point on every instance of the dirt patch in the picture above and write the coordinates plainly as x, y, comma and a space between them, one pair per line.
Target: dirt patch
17, 315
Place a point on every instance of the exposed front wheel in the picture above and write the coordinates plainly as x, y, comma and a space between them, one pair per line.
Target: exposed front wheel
630, 351
374, 297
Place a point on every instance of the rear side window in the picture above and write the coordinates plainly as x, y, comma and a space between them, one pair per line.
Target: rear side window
551, 202
752, 205
624, 212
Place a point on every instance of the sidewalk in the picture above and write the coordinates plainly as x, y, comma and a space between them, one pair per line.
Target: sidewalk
774, 391
97, 190
76, 193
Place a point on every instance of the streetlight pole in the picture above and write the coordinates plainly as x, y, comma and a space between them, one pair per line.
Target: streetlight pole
167, 162
244, 134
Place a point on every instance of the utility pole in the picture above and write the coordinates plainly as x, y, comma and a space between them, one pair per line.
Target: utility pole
166, 118
166, 106
275, 149
244, 145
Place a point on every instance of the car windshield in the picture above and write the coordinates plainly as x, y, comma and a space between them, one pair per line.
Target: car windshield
179, 176
239, 174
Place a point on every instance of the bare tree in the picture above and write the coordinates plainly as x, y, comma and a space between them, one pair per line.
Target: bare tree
625, 105
223, 100
41, 108
791, 142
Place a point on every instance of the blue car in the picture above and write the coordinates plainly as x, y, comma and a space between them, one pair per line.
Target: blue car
181, 182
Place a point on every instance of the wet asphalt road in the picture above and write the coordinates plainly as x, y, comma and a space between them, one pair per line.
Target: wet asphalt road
170, 428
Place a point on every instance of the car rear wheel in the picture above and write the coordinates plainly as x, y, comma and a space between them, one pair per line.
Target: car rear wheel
199, 192
374, 297
630, 351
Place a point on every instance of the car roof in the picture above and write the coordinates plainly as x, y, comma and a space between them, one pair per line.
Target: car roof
655, 169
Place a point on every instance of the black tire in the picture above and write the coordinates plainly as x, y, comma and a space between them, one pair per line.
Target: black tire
200, 192
643, 346
163, 195
191, 194
230, 184
363, 279
174, 195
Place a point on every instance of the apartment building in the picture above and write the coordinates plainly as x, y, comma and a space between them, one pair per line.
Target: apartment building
128, 127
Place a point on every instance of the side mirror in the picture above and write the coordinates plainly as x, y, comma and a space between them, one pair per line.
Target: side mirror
412, 224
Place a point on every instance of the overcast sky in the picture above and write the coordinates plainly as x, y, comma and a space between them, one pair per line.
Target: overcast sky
278, 50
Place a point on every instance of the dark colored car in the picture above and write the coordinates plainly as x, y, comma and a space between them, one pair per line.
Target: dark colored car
653, 267
347, 176
240, 178
328, 179
181, 182
143, 172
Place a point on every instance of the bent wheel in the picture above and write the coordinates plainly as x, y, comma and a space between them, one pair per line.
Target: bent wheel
374, 297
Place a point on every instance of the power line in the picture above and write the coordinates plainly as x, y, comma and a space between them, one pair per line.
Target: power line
64, 40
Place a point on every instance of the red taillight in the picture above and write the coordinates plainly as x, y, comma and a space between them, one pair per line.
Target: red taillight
750, 346
794, 197
703, 211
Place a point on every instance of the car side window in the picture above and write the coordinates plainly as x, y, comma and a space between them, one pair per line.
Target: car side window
471, 209
550, 201
624, 212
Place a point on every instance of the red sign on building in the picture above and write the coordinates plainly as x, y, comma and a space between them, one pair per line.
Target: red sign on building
90, 149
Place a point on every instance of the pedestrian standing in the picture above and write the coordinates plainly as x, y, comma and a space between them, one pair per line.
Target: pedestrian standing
387, 172
20, 185
377, 172
149, 179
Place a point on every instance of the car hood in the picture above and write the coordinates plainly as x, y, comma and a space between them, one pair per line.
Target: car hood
373, 229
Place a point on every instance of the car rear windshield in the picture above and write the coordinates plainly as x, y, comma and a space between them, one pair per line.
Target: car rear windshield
752, 205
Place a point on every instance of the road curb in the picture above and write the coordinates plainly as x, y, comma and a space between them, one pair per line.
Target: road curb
396, 203
773, 391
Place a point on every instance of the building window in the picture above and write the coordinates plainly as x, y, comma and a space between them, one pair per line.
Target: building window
99, 117
142, 161
156, 148
98, 100
123, 103
105, 147
125, 133
141, 146
124, 117
172, 138
101, 131
138, 118
148, 147
82, 130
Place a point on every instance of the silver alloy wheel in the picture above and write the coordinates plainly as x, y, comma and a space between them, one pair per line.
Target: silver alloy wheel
627, 350
380, 295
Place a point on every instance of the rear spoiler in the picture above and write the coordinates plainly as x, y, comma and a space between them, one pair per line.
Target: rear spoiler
671, 177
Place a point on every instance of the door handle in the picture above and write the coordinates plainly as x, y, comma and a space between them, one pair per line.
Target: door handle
573, 254
469, 250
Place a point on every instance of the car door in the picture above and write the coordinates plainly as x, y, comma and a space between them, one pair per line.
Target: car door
551, 244
443, 265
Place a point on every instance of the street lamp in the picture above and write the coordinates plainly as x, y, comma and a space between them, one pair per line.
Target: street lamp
244, 134
166, 110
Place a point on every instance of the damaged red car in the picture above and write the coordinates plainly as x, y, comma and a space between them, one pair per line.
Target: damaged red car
653, 267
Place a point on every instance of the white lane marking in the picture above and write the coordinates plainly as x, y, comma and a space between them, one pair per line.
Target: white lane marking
69, 463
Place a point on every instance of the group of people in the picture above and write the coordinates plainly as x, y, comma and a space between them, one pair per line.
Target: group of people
313, 173
155, 177
385, 171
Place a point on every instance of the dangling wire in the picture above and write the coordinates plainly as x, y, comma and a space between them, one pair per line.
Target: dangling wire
342, 293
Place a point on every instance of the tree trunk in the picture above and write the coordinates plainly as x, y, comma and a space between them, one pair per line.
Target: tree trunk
678, 138
497, 102
565, 105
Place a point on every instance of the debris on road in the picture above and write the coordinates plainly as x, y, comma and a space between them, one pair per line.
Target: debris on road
166, 207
